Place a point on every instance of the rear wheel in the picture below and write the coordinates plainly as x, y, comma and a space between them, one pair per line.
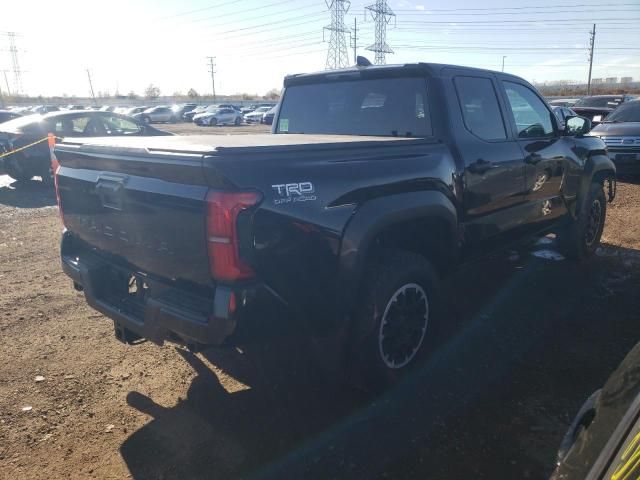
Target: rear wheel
237, 121
395, 323
147, 120
582, 237
213, 122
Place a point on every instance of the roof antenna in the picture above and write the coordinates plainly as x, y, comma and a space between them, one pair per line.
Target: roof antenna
362, 61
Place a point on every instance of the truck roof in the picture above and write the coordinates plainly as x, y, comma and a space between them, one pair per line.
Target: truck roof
429, 69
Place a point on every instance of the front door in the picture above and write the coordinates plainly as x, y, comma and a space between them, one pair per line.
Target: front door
544, 149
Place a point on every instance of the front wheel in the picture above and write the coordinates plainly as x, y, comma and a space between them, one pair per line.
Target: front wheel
396, 321
582, 237
237, 122
213, 122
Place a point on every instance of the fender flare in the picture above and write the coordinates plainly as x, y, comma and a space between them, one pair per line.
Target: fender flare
597, 165
372, 218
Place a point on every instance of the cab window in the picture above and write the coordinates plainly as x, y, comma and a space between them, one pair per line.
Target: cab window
533, 119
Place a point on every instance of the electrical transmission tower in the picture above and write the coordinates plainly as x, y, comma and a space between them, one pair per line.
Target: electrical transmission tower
381, 14
17, 73
337, 55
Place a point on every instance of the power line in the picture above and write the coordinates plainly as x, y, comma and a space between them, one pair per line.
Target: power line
382, 14
337, 56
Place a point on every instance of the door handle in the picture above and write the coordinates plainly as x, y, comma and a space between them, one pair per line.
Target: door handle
533, 159
480, 166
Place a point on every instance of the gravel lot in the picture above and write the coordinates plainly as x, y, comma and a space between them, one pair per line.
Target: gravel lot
527, 341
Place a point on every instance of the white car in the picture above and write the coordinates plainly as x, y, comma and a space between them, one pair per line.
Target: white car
257, 115
218, 116
156, 114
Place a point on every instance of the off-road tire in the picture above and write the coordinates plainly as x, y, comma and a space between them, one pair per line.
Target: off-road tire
581, 238
390, 273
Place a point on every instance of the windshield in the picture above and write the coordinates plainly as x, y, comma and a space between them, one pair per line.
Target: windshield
387, 107
627, 112
607, 102
212, 108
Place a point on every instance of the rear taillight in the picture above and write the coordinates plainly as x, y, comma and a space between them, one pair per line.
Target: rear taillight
223, 209
55, 166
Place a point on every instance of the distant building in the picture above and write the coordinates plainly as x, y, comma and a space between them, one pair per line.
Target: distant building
611, 80
597, 81
626, 80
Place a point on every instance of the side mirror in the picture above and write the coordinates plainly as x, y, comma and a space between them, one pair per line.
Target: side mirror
577, 126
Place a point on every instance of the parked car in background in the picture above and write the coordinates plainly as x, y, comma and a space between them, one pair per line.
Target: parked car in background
597, 107
6, 115
107, 108
563, 113
134, 110
257, 115
603, 441
180, 109
45, 109
621, 132
75, 107
161, 114
188, 116
563, 102
218, 116
268, 117
35, 161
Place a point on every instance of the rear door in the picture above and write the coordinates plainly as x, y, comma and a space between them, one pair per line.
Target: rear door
493, 163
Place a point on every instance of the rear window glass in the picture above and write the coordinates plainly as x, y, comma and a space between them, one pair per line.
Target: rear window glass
391, 107
480, 108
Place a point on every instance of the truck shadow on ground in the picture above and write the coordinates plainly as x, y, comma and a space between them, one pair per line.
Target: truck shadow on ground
29, 194
496, 393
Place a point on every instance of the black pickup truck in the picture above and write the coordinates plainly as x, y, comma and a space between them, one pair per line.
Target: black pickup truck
375, 182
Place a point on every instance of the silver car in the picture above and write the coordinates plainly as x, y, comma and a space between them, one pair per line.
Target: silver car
156, 115
218, 116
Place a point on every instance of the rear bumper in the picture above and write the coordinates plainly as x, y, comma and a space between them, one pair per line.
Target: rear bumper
164, 312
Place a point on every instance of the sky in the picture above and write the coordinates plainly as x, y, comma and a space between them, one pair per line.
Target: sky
128, 44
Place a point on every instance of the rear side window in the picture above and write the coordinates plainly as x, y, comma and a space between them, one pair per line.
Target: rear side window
480, 108
389, 107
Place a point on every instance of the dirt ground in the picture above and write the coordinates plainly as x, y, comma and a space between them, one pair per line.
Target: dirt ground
527, 340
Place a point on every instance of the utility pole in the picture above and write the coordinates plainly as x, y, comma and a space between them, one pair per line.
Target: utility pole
354, 41
503, 57
212, 71
592, 42
93, 95
6, 81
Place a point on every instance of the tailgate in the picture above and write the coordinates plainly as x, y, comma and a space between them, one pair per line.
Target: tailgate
145, 208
